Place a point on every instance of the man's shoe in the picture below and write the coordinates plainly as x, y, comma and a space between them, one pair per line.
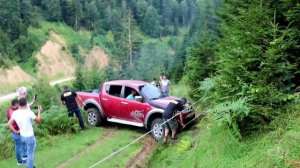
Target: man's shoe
23, 162
165, 140
174, 140
24, 158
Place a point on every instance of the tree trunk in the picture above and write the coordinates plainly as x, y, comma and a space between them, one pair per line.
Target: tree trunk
130, 41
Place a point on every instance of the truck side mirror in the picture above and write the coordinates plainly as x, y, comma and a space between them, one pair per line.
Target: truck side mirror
138, 98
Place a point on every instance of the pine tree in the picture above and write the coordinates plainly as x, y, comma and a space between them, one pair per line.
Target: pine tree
151, 24
26, 12
54, 10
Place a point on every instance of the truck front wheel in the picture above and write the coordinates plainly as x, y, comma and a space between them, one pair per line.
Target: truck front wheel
158, 130
94, 117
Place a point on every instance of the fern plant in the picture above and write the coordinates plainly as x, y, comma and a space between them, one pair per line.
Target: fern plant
230, 113
184, 145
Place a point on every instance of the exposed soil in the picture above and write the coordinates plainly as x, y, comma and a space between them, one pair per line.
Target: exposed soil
294, 163
108, 134
96, 57
53, 58
142, 156
13, 76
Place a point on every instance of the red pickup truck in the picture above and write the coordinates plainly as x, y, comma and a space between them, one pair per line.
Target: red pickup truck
110, 104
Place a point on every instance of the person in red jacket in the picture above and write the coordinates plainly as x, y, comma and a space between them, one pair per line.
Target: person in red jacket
20, 148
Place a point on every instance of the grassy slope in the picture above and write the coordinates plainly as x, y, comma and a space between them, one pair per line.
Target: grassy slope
207, 145
41, 35
62, 148
70, 35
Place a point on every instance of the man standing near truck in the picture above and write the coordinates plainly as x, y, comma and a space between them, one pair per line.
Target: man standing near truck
69, 98
174, 107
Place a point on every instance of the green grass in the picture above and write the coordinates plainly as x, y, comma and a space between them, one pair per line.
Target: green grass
208, 145
70, 35
108, 147
179, 90
60, 148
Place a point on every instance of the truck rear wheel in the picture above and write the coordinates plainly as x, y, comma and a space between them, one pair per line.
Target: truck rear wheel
158, 130
94, 117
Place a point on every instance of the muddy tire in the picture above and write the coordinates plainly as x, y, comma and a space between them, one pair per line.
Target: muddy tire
158, 130
94, 117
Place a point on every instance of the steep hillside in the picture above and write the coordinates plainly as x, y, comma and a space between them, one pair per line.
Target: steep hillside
96, 56
53, 58
9, 78
13, 75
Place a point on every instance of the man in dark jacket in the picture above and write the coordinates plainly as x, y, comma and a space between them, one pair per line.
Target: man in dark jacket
70, 99
173, 107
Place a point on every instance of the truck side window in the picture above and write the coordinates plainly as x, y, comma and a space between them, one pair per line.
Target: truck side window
128, 92
115, 90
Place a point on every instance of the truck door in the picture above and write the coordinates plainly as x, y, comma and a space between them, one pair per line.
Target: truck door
111, 100
131, 109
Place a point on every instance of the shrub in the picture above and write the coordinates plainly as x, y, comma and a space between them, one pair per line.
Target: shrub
6, 143
231, 113
47, 95
88, 79
55, 122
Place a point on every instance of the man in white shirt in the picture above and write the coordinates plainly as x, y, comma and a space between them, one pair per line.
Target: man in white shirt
165, 85
24, 117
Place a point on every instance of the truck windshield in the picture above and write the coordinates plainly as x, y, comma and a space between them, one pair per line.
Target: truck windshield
151, 92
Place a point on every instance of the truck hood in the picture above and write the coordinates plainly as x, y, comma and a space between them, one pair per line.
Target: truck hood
162, 103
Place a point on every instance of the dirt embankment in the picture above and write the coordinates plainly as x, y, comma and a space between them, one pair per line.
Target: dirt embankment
96, 57
54, 58
13, 76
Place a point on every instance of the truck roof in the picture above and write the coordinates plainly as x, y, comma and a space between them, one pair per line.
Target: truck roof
133, 83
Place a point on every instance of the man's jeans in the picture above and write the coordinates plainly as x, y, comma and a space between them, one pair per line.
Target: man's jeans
20, 147
78, 114
30, 144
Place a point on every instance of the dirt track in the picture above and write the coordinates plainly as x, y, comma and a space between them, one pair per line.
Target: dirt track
108, 134
142, 156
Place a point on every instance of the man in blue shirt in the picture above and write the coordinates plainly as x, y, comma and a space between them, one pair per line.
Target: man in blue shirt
131, 96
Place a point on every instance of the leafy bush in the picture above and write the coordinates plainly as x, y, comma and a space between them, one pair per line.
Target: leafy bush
55, 122
6, 143
47, 95
88, 79
184, 145
231, 113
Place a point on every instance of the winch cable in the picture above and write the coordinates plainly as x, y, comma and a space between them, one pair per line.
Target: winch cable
142, 136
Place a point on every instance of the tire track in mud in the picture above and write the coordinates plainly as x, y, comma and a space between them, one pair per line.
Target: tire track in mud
108, 134
142, 156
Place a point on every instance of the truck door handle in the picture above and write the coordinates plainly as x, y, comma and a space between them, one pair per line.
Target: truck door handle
124, 102
104, 99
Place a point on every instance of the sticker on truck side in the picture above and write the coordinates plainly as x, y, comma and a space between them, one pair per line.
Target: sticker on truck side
137, 114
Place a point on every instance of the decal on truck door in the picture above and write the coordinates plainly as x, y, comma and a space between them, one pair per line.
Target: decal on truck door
137, 114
